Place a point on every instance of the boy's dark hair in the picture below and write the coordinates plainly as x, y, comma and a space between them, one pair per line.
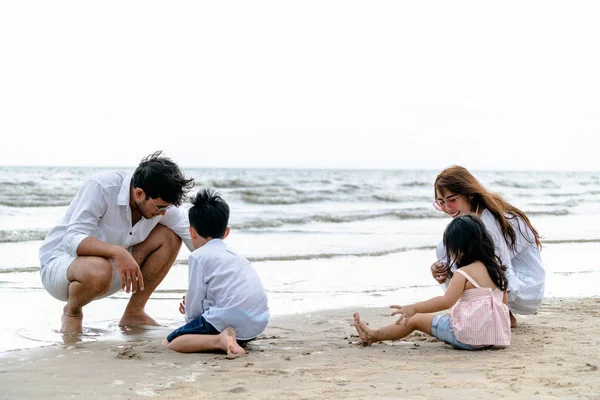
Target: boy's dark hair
158, 176
209, 214
467, 240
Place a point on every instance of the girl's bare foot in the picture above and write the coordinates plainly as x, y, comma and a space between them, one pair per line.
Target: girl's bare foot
229, 342
364, 332
71, 323
513, 320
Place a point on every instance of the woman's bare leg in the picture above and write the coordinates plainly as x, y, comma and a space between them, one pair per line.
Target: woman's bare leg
513, 320
393, 331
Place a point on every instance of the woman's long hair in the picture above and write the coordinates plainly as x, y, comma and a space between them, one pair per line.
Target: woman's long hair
467, 241
458, 180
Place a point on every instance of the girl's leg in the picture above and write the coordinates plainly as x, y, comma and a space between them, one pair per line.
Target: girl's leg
393, 331
191, 343
513, 320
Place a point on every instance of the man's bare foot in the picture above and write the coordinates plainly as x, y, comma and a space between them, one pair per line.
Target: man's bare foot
364, 332
137, 319
513, 320
229, 343
165, 343
71, 323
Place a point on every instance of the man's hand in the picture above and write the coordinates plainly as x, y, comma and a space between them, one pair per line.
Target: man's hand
405, 313
129, 270
182, 306
439, 271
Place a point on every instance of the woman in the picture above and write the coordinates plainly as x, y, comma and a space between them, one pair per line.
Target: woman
516, 241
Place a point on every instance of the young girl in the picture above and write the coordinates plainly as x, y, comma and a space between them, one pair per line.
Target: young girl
517, 243
479, 318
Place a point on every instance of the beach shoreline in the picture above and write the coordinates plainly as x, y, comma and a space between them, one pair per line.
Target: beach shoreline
554, 354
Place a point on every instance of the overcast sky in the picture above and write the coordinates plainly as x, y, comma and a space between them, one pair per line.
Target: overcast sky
313, 84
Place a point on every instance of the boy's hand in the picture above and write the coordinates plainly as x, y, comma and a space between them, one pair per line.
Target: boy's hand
182, 306
405, 313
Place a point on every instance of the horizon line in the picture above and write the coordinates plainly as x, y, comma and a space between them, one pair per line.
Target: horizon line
303, 168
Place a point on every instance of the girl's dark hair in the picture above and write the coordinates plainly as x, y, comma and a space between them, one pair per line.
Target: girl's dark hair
158, 176
209, 214
458, 180
466, 241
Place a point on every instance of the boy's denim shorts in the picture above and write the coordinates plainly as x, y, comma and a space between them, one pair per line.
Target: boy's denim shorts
441, 329
198, 326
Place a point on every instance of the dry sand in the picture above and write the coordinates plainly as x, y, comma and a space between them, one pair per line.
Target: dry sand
554, 354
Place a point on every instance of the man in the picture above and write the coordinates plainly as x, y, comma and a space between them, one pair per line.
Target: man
121, 231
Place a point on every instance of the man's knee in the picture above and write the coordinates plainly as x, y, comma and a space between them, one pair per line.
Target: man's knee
166, 237
94, 272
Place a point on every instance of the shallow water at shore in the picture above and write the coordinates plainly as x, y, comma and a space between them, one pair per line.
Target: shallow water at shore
306, 285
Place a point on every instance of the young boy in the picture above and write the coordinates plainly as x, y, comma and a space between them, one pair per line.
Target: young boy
226, 305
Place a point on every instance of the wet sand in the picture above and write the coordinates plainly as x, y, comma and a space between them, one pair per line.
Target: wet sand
554, 354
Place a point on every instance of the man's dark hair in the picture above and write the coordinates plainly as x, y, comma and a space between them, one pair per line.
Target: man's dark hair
209, 214
159, 176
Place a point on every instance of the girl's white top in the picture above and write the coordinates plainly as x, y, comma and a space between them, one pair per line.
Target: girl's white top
524, 269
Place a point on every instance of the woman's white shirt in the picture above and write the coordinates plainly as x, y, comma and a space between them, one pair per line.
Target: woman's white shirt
524, 269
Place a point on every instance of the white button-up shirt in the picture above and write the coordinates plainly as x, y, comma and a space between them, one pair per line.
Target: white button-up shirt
225, 289
101, 210
524, 269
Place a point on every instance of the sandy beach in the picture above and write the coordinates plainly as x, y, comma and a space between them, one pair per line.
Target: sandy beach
554, 354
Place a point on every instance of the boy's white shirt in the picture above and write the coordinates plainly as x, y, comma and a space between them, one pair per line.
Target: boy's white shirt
225, 289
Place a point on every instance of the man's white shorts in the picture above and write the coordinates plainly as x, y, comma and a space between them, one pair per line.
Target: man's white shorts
54, 277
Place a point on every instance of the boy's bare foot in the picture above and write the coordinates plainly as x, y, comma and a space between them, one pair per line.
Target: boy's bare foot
71, 323
140, 318
165, 343
364, 332
229, 343
513, 320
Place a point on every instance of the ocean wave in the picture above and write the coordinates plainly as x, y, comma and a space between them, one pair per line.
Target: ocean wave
24, 235
562, 241
336, 219
560, 212
567, 273
253, 197
350, 186
19, 185
28, 193
390, 198
589, 183
42, 201
231, 184
18, 270
334, 292
546, 184
298, 257
417, 184
568, 203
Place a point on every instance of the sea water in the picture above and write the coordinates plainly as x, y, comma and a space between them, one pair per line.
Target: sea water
320, 239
